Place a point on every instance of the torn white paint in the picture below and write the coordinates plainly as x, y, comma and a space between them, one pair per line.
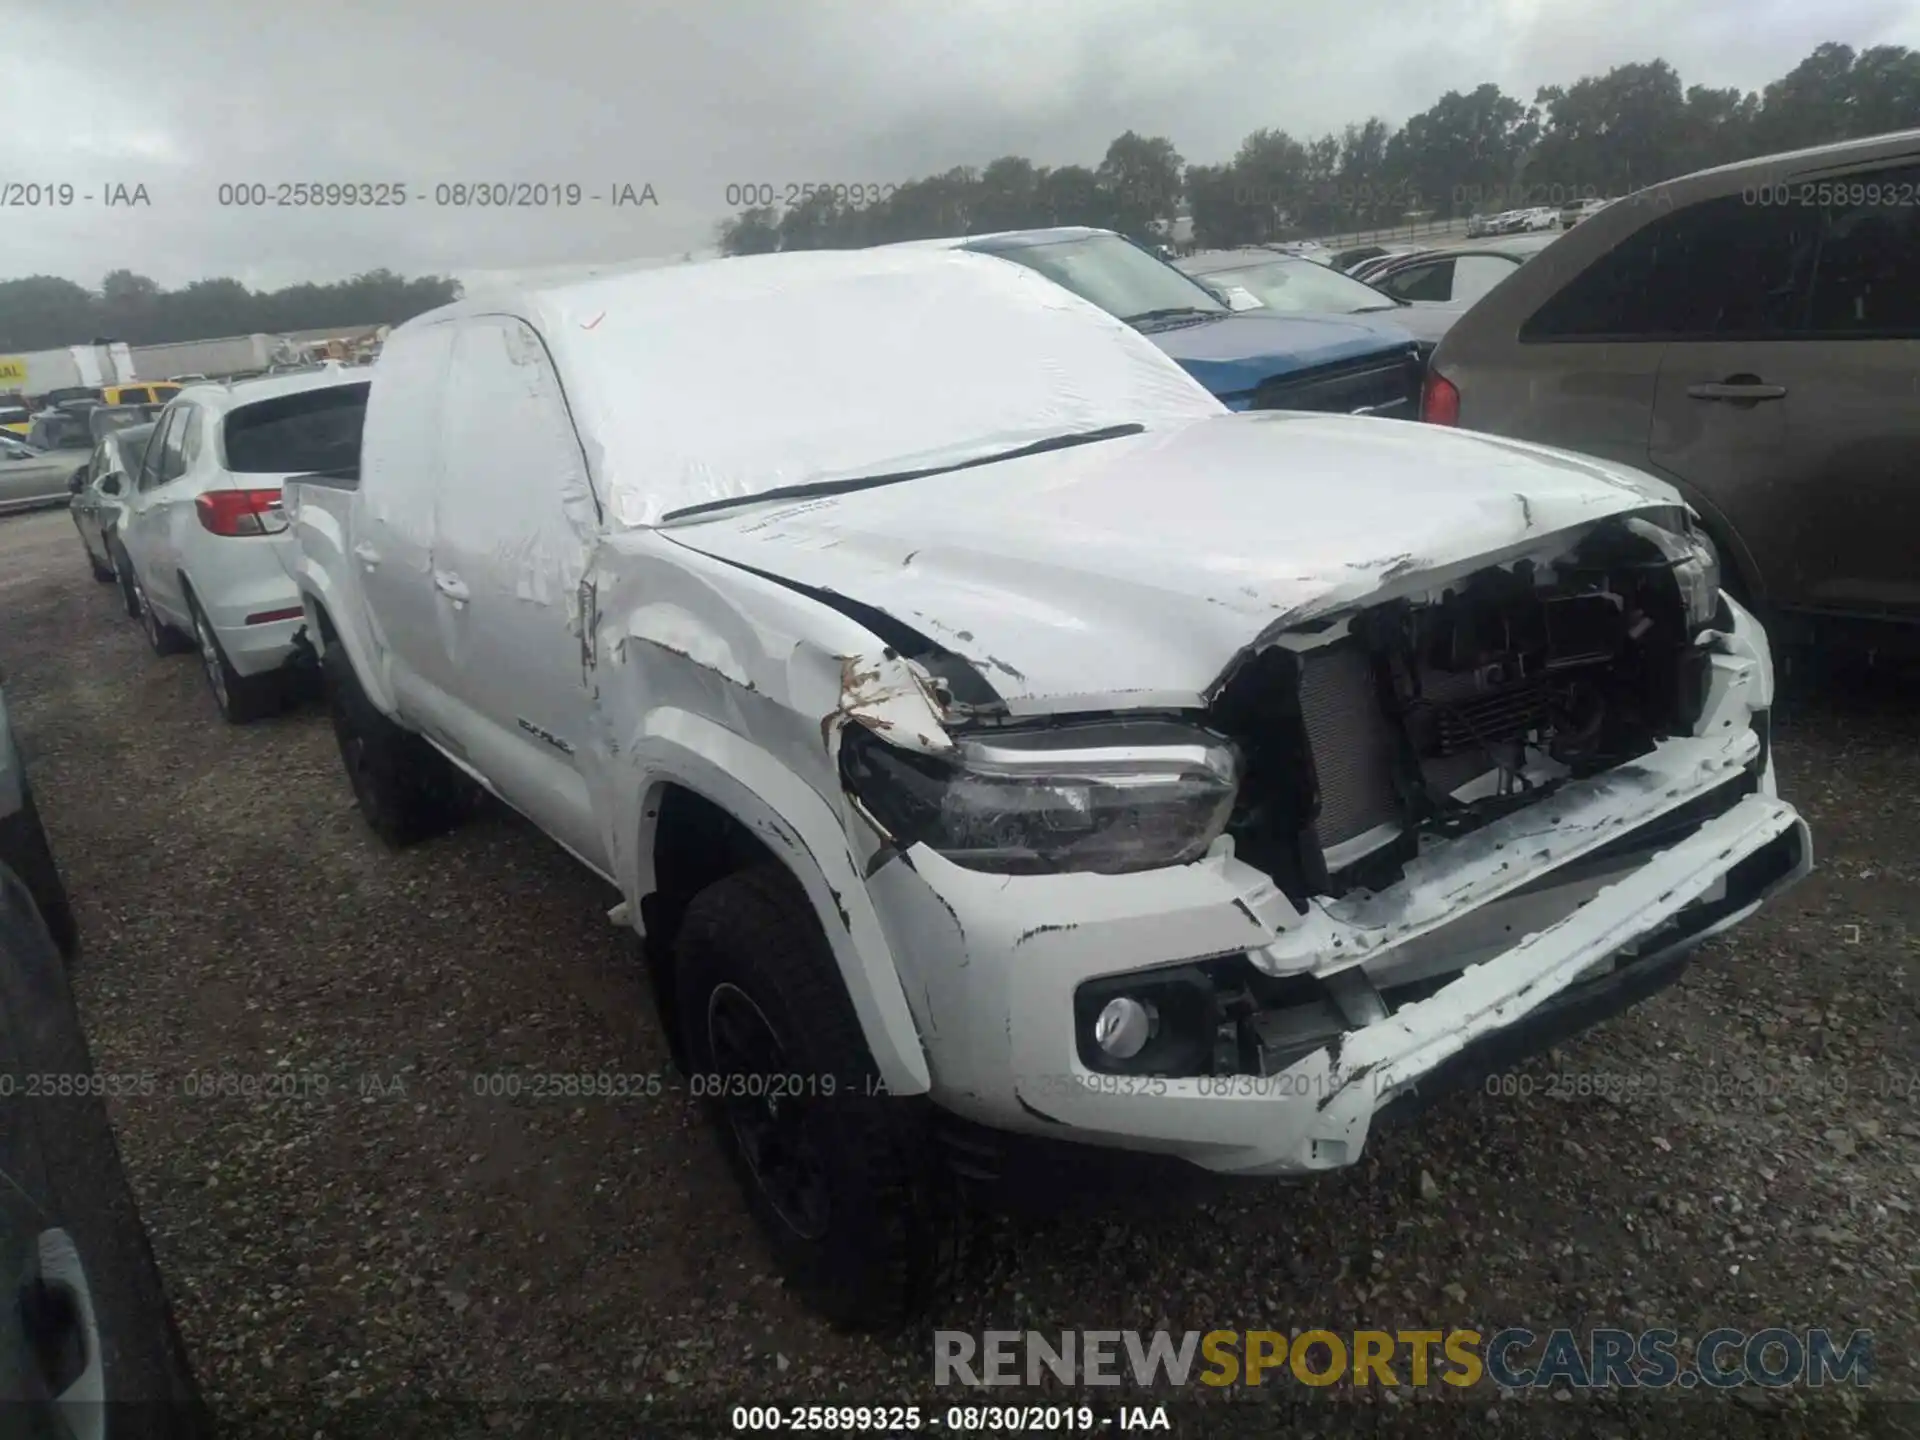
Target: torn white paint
1131, 573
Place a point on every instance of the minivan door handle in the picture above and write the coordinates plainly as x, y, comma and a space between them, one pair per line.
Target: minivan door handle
450, 586
1738, 387
367, 555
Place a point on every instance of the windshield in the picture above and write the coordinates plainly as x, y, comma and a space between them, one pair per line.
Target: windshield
295, 434
1118, 276
1301, 287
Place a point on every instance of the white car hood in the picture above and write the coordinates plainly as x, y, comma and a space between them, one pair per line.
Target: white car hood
1130, 573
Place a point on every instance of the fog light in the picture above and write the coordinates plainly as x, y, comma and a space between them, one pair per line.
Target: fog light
1124, 1027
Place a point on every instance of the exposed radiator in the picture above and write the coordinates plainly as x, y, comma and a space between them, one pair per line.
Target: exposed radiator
1353, 744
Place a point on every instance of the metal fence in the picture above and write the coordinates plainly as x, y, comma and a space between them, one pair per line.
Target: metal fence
1416, 230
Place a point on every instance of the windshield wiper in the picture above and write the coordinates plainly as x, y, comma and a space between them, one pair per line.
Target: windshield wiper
1376, 309
1170, 312
812, 488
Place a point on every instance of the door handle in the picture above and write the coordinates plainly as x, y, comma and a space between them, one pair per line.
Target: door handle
450, 586
367, 555
1737, 387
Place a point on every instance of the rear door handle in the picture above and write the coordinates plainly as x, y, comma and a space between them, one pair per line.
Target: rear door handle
367, 555
1737, 388
450, 586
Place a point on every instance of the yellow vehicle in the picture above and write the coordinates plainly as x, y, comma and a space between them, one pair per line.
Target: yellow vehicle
154, 394
15, 419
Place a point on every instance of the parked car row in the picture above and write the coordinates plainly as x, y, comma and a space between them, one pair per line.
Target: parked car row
184, 513
1514, 222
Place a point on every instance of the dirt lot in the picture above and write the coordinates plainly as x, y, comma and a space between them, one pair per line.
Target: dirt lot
374, 1228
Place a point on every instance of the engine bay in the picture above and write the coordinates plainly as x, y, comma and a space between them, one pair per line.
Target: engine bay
1425, 718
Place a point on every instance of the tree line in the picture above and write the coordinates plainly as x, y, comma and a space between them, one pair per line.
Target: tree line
45, 312
1469, 153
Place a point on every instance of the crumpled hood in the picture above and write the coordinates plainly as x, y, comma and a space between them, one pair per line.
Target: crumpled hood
1240, 351
1131, 572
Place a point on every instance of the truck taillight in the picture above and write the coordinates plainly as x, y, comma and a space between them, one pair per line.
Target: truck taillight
241, 512
1440, 400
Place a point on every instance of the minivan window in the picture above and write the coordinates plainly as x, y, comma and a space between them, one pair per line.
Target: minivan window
299, 433
1867, 277
1721, 268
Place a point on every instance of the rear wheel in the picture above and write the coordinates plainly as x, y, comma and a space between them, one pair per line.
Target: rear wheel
841, 1176
407, 791
241, 698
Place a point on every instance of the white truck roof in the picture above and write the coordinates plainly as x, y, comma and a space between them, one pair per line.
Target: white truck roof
728, 378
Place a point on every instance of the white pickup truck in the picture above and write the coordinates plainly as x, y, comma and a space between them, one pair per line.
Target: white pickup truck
990, 734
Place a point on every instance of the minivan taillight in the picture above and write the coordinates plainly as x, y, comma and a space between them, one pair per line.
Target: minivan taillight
1439, 400
241, 512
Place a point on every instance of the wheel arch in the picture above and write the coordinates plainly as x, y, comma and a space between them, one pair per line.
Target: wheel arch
703, 802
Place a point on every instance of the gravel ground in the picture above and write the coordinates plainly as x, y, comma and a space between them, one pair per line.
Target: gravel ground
367, 1228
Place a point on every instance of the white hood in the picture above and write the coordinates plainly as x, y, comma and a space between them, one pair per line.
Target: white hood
1131, 572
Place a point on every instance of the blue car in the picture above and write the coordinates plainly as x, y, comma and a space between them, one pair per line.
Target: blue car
1252, 360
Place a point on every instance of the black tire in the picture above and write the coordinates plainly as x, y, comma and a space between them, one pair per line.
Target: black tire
164, 639
25, 851
875, 1233
406, 790
241, 698
123, 572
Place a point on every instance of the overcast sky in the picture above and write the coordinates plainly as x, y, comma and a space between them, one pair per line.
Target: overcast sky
693, 95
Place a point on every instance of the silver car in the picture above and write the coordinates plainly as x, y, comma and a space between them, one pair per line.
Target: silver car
101, 489
30, 476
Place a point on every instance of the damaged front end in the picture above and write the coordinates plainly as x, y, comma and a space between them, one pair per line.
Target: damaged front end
1466, 820
1433, 778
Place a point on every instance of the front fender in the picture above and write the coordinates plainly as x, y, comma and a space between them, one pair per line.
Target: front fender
678, 747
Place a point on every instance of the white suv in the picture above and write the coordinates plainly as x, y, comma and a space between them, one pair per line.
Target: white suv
203, 546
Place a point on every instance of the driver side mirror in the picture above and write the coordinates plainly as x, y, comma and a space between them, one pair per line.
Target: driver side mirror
110, 485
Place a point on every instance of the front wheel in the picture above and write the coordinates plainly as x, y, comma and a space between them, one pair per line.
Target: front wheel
864, 1225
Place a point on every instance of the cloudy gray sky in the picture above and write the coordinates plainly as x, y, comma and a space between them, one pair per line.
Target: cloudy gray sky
694, 95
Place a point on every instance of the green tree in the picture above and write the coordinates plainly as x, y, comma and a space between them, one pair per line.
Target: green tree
1142, 180
43, 312
752, 232
1463, 153
1615, 132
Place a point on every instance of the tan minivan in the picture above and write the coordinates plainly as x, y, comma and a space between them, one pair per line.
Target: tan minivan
1751, 334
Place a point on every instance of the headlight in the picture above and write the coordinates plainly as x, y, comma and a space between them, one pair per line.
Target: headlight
1107, 797
1696, 567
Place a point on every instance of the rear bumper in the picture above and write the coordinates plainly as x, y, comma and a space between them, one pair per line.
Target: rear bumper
245, 580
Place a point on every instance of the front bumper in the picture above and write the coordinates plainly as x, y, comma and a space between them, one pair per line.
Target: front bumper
1525, 930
